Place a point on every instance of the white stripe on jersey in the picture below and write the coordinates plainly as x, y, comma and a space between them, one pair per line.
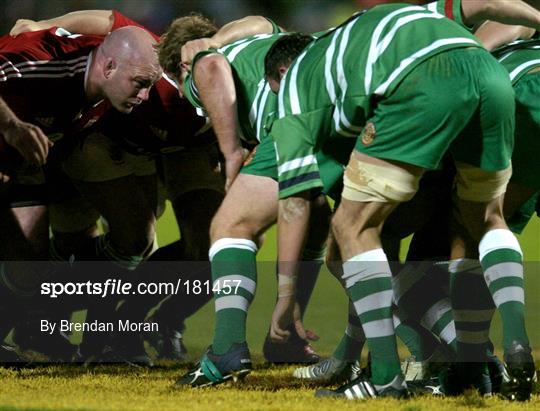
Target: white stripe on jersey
253, 111
342, 82
383, 45
43, 68
432, 7
228, 46
522, 67
170, 80
293, 96
232, 55
42, 75
297, 163
422, 52
281, 95
266, 93
329, 57
35, 69
40, 62
372, 55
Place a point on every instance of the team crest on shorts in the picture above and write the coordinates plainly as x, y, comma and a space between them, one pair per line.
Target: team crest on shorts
368, 134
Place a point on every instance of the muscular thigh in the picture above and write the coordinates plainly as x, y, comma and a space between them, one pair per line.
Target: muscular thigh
248, 209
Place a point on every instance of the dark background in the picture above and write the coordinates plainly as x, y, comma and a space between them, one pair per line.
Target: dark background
297, 15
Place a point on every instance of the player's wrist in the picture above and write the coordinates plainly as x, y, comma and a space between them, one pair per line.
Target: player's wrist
286, 285
8, 126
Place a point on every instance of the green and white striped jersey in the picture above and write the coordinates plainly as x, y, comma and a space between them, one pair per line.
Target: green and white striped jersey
519, 57
334, 85
450, 9
255, 100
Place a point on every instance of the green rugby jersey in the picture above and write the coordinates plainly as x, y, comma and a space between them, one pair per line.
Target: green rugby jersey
255, 100
450, 9
519, 57
333, 86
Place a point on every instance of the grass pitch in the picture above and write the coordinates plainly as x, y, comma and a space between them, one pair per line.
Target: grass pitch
123, 388
267, 388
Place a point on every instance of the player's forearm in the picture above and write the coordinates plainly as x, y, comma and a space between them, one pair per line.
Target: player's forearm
493, 34
98, 22
239, 29
514, 12
214, 80
293, 223
7, 116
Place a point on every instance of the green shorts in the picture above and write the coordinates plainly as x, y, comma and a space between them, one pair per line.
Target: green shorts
525, 164
519, 220
459, 101
262, 161
332, 159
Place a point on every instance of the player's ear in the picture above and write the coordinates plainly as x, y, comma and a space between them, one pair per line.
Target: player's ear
282, 71
109, 68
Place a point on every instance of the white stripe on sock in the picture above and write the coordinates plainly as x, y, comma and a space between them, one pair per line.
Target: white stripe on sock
231, 301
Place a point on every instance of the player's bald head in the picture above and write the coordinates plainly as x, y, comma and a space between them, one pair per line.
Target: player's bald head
132, 45
125, 68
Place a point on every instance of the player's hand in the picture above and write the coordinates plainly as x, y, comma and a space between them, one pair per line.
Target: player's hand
233, 163
191, 48
29, 141
286, 312
4, 178
25, 26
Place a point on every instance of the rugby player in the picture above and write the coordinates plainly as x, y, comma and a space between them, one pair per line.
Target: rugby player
55, 84
229, 84
383, 170
434, 309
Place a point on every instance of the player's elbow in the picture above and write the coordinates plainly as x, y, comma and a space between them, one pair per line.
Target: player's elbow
259, 24
213, 71
211, 65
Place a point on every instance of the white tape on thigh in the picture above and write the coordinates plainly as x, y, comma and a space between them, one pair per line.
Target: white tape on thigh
368, 182
475, 184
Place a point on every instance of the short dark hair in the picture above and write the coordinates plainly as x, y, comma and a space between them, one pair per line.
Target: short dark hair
283, 52
183, 29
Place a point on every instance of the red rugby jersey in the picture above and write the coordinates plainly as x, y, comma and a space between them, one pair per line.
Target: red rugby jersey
42, 80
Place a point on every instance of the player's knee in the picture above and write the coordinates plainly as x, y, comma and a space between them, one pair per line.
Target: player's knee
224, 226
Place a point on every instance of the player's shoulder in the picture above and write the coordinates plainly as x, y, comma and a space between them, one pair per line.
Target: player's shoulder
48, 44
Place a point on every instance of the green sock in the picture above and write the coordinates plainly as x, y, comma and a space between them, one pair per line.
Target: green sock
369, 285
502, 261
418, 341
473, 309
421, 293
352, 342
234, 279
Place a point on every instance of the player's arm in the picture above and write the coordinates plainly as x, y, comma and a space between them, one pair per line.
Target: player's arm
298, 177
213, 78
494, 35
292, 226
229, 33
99, 22
28, 139
514, 12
